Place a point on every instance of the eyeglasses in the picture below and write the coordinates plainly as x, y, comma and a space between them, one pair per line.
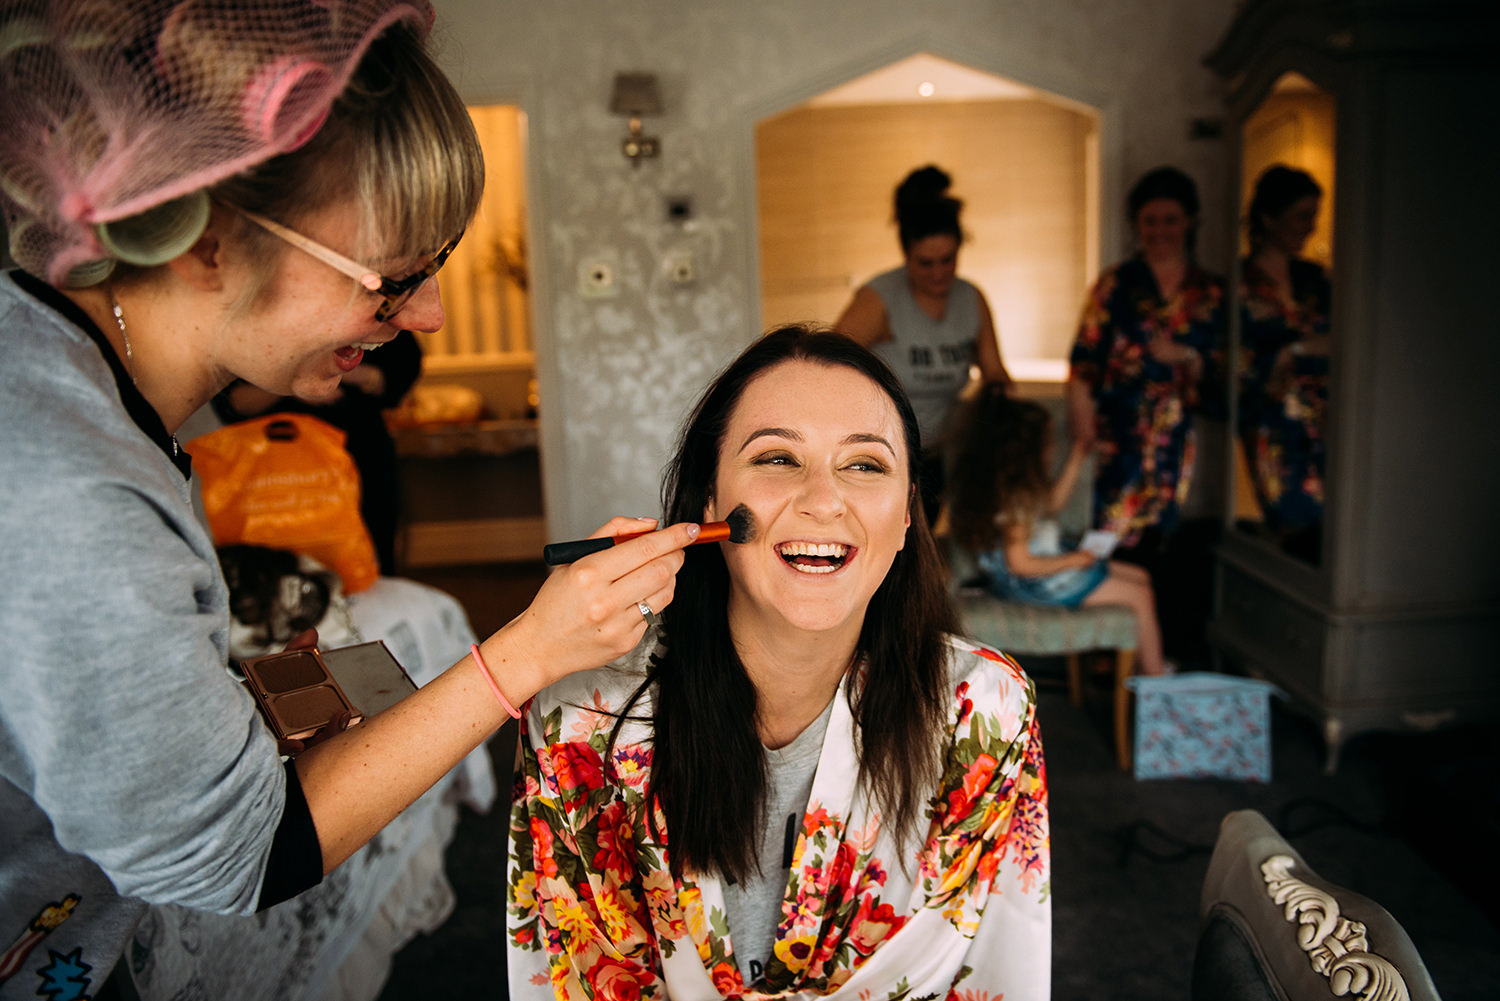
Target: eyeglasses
397, 292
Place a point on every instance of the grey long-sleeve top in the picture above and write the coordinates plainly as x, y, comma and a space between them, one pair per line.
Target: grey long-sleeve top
133, 769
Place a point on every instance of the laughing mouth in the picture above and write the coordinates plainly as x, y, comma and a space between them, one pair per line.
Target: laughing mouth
813, 557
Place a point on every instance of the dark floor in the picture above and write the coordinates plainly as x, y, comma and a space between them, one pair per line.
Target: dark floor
1411, 822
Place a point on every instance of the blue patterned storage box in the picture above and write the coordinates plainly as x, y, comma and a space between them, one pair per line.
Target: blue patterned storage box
1202, 725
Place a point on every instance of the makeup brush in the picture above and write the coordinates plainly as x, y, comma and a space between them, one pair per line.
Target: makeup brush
739, 527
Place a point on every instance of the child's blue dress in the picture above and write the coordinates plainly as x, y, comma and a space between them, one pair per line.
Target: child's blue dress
1067, 588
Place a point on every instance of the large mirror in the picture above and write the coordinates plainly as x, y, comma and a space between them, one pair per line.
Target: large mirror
1285, 322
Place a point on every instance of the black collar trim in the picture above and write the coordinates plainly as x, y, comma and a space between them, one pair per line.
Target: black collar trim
136, 405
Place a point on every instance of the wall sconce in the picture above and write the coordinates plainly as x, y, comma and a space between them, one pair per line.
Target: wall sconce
635, 95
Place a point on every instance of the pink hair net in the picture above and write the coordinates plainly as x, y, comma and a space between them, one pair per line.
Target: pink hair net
116, 114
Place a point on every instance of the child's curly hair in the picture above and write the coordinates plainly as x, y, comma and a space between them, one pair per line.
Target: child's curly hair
1001, 467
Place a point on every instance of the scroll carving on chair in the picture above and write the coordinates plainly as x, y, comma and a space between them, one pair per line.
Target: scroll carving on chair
1337, 947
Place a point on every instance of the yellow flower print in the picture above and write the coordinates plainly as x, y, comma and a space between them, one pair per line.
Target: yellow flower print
616, 919
691, 902
524, 894
794, 953
572, 919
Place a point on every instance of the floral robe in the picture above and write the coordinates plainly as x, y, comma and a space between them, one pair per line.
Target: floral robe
595, 913
1142, 405
1283, 434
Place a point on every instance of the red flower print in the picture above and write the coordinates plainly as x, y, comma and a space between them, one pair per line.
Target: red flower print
616, 854
727, 980
541, 848
976, 780
989, 862
873, 924
578, 769
613, 981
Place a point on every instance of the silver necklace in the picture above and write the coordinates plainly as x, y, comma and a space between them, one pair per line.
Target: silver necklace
114, 307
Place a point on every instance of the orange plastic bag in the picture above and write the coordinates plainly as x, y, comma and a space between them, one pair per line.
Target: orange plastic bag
286, 482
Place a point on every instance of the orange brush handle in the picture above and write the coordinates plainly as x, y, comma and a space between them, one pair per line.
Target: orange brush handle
558, 553
711, 531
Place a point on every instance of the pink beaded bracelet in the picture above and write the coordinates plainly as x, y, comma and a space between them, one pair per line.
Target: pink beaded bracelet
489, 679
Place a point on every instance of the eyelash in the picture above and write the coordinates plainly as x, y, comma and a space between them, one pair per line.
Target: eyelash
781, 458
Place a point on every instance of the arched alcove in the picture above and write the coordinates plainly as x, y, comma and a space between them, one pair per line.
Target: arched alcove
1025, 162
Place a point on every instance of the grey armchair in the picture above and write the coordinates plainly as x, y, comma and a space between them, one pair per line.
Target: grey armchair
1274, 931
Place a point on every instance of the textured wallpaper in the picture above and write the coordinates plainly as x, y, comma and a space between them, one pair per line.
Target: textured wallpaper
618, 372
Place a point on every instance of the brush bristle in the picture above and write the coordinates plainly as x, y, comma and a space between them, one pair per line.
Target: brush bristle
741, 524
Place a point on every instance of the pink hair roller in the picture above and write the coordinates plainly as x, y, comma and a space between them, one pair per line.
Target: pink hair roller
264, 107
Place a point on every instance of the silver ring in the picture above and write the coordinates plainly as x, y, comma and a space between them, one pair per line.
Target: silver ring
646, 612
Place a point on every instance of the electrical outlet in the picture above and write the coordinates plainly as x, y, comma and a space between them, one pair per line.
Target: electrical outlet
680, 269
596, 280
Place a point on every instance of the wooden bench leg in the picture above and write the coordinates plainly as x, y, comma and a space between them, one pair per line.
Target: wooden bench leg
1124, 668
1075, 681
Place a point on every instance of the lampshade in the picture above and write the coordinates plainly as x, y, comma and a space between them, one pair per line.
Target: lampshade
635, 94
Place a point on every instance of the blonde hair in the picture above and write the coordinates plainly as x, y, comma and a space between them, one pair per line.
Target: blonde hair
398, 140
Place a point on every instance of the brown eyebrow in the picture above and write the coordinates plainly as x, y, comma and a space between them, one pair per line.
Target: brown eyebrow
787, 433
858, 437
871, 439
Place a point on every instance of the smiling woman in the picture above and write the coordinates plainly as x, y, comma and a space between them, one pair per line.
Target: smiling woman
803, 781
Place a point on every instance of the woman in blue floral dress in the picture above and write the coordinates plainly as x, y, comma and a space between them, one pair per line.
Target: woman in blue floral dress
1148, 348
1284, 344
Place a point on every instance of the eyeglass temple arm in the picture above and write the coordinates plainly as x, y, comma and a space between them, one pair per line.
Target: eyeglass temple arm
332, 258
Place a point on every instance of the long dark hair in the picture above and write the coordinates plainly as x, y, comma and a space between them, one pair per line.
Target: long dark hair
1001, 467
708, 764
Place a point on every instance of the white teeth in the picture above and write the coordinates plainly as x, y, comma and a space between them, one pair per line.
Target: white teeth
828, 549
366, 346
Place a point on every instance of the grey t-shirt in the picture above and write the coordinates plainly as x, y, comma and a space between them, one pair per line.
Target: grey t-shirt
931, 357
753, 907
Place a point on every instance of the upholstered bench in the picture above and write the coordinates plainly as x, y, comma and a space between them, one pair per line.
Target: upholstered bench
1041, 630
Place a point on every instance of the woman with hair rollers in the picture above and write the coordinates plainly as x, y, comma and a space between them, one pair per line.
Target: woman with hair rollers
198, 192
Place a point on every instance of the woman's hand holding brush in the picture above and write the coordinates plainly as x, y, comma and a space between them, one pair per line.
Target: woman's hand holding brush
589, 612
738, 527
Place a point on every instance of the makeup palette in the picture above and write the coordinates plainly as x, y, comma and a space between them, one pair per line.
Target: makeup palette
296, 693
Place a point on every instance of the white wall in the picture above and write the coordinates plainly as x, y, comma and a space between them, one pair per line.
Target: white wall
616, 374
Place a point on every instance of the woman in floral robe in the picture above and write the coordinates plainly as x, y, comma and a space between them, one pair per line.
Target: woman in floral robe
1148, 346
918, 864
1284, 345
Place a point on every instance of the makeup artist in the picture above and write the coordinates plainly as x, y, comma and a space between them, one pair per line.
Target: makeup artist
187, 205
804, 781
